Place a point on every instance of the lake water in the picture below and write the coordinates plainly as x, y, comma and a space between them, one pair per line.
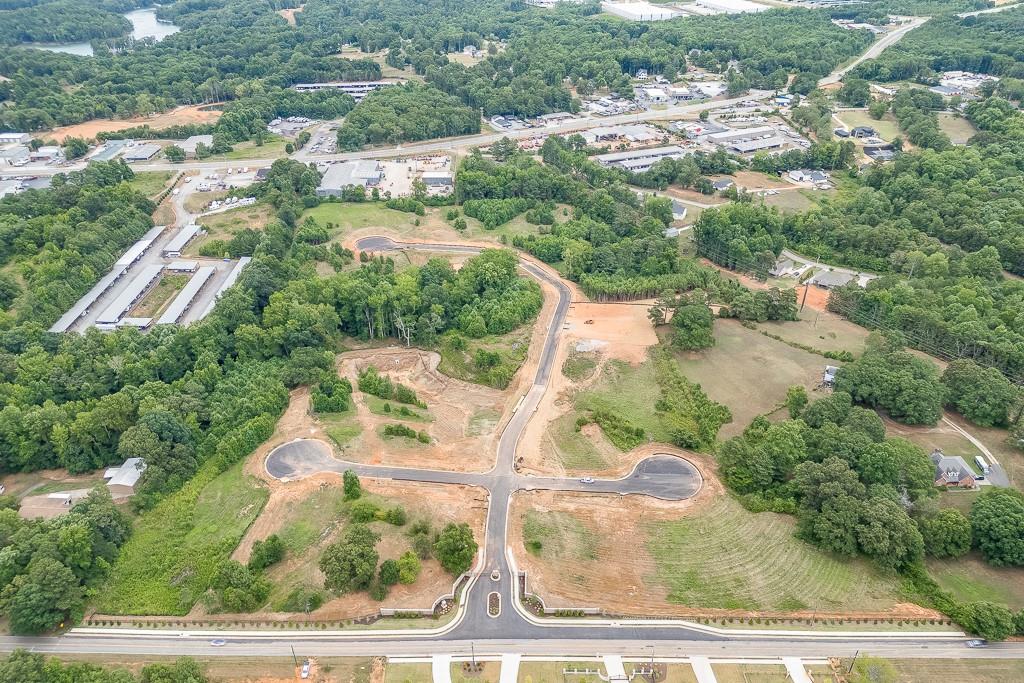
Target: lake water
144, 25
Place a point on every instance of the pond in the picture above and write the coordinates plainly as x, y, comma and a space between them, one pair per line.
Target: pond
144, 25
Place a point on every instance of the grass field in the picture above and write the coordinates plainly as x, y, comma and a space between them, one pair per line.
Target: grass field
150, 183
56, 486
512, 349
887, 127
820, 330
558, 536
175, 548
223, 226
154, 301
407, 673
273, 146
489, 673
551, 672
749, 372
794, 201
674, 673
970, 578
353, 216
579, 365
959, 129
727, 557
962, 670
750, 673
238, 669
376, 406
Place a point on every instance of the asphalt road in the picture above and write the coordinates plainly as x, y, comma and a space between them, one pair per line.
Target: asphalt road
427, 147
875, 49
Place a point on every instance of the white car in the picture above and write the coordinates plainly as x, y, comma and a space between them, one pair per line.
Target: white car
305, 669
587, 480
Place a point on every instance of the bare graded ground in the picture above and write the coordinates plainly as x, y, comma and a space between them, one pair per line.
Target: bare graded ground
178, 116
614, 332
703, 557
458, 440
289, 14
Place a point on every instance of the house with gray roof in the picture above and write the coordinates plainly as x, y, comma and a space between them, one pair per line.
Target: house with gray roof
952, 472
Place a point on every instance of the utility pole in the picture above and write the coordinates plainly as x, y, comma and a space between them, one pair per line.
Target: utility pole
807, 286
295, 659
855, 655
472, 647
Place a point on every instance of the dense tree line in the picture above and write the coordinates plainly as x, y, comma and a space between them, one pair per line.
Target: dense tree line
987, 43
951, 301
403, 113
64, 21
31, 667
914, 110
226, 50
49, 566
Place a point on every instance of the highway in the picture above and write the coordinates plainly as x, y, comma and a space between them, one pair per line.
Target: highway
875, 49
426, 147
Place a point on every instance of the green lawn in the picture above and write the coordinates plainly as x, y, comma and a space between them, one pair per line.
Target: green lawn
750, 673
490, 673
150, 183
964, 670
407, 673
175, 548
579, 365
551, 672
558, 537
353, 216
154, 301
820, 330
273, 146
749, 372
959, 129
970, 578
726, 557
886, 127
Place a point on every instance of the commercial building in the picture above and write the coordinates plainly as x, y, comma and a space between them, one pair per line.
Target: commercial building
129, 296
178, 243
121, 480
365, 173
110, 149
640, 160
189, 144
183, 302
230, 280
182, 266
16, 155
11, 138
756, 145
437, 178
143, 152
640, 11
732, 6
46, 154
137, 250
357, 89
83, 305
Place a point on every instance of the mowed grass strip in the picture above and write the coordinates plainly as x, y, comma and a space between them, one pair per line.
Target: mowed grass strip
726, 557
557, 536
971, 579
175, 548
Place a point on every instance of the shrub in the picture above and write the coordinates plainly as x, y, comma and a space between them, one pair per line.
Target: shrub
352, 488
302, 599
266, 552
363, 511
389, 573
408, 567
395, 516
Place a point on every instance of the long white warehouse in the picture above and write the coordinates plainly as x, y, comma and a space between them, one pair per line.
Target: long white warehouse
83, 305
129, 296
136, 251
186, 296
226, 285
178, 243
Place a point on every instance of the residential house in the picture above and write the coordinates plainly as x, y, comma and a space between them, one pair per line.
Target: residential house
952, 472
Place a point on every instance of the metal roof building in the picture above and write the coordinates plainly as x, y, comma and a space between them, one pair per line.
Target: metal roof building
174, 248
186, 296
129, 296
83, 305
141, 152
227, 284
639, 160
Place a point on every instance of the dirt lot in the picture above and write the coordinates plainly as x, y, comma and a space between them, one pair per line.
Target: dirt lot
458, 439
175, 117
615, 331
753, 181
289, 14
